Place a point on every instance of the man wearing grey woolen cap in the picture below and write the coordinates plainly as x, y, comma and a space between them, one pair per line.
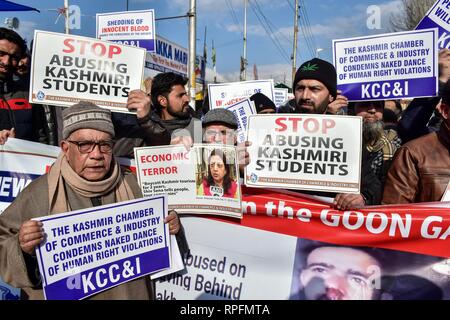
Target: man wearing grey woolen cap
219, 127
85, 175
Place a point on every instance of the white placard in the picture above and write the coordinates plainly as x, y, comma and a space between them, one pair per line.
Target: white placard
222, 95
242, 110
305, 152
66, 69
183, 176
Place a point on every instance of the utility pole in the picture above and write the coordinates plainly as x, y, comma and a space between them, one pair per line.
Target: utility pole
294, 49
192, 51
66, 14
244, 58
203, 70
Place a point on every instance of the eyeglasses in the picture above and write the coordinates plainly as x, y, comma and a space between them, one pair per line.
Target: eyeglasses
88, 146
229, 133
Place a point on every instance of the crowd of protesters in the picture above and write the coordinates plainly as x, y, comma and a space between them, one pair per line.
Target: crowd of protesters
406, 153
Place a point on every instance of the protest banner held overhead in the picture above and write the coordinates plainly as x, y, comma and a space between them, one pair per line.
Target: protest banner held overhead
91, 250
306, 152
438, 17
242, 110
388, 66
204, 180
171, 57
66, 69
222, 95
391, 255
134, 28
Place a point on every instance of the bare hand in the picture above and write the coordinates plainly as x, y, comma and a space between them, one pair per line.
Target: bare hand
4, 134
345, 201
31, 235
138, 100
336, 106
173, 221
184, 140
444, 65
243, 156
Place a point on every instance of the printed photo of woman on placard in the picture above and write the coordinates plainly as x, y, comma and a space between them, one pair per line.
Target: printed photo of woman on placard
218, 174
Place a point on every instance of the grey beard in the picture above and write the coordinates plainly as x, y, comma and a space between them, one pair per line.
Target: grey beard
372, 131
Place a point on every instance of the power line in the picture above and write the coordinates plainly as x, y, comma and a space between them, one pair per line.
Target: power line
233, 14
290, 4
268, 29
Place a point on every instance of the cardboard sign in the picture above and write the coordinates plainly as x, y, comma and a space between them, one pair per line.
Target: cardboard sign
91, 250
387, 66
201, 181
438, 17
305, 152
280, 95
242, 110
134, 28
222, 95
66, 69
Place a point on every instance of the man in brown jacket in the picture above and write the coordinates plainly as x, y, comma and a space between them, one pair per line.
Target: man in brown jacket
84, 175
420, 171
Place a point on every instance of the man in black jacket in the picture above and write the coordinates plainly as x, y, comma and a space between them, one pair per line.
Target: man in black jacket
315, 89
18, 118
162, 116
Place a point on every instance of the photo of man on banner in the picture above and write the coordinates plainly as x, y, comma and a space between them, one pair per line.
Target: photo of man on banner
324, 271
216, 175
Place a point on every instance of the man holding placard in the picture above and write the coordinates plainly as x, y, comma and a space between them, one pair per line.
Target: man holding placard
315, 89
85, 175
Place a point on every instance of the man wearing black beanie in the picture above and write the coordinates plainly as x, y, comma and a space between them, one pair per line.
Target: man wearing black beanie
315, 89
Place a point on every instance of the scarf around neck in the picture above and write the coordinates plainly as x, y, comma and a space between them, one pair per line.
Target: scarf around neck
61, 172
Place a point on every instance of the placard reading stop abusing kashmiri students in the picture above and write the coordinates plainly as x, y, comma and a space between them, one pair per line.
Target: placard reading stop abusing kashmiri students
134, 28
222, 95
204, 180
387, 66
242, 110
91, 250
66, 69
305, 152
438, 17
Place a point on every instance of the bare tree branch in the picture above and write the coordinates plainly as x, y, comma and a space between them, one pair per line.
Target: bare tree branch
409, 18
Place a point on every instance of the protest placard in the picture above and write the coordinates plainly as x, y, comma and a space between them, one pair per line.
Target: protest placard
134, 28
168, 57
66, 69
242, 110
226, 94
306, 152
387, 66
280, 96
91, 250
438, 17
203, 180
